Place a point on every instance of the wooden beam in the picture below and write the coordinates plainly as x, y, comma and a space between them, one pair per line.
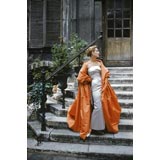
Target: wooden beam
65, 19
29, 30
104, 28
44, 21
92, 8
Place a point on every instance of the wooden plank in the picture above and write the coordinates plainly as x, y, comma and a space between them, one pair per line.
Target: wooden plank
36, 22
53, 22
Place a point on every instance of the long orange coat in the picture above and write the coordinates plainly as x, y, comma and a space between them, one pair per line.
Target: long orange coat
79, 113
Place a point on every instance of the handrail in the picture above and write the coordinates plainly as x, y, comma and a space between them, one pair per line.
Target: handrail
44, 95
61, 67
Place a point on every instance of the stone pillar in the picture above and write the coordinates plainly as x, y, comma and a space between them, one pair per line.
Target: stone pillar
65, 19
73, 16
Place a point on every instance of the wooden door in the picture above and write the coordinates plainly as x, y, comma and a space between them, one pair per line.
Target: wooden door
118, 44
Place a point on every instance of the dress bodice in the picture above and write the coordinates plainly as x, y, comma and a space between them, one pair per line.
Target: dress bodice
95, 73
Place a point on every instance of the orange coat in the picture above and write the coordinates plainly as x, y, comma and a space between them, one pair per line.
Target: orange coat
79, 113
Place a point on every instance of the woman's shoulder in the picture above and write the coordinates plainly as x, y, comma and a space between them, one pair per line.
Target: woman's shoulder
86, 63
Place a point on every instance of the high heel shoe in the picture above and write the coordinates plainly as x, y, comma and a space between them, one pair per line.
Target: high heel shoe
87, 137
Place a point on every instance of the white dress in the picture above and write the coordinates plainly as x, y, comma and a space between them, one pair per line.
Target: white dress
97, 118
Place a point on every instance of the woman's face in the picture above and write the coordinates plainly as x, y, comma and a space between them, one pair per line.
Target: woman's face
95, 53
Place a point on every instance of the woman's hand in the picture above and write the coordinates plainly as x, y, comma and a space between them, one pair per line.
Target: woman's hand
86, 82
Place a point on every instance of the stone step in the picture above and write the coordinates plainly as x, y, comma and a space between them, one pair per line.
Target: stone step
112, 71
121, 80
59, 122
68, 136
121, 94
124, 103
127, 113
124, 94
122, 87
118, 75
126, 125
67, 151
120, 69
117, 87
115, 78
59, 111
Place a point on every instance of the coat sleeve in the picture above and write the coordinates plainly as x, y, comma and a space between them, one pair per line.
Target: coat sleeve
106, 72
83, 77
111, 107
105, 75
79, 112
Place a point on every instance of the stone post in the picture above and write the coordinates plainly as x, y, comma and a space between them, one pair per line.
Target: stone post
65, 20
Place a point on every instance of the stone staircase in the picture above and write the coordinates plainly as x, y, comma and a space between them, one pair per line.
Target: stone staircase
60, 143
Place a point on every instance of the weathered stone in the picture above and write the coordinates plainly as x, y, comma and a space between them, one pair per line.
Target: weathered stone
57, 137
77, 151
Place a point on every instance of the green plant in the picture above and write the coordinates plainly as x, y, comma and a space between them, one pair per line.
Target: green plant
63, 51
60, 56
34, 91
76, 44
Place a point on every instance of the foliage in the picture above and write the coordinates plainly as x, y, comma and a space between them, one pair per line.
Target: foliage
76, 44
60, 56
63, 51
35, 89
35, 93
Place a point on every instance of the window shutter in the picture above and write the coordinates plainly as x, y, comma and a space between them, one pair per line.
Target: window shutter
36, 20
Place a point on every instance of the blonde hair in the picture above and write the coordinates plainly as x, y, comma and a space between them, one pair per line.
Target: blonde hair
90, 50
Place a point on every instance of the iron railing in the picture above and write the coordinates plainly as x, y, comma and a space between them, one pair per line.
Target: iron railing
43, 102
73, 58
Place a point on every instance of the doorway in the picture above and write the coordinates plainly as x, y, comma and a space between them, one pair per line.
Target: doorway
119, 33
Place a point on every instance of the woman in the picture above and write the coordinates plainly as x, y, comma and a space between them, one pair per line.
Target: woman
96, 106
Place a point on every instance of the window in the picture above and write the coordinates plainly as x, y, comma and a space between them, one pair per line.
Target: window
119, 18
110, 33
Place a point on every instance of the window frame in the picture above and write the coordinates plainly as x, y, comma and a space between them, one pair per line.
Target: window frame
114, 18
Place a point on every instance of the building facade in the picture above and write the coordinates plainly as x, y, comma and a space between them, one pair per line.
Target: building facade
50, 20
